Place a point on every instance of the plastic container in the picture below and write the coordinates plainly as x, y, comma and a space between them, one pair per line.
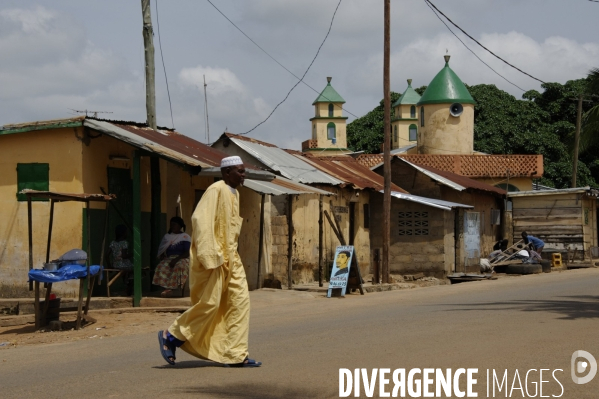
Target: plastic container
73, 257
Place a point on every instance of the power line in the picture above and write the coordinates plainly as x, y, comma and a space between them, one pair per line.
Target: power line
480, 44
469, 49
163, 67
275, 60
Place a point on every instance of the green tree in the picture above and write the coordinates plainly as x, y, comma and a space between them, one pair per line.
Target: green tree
540, 123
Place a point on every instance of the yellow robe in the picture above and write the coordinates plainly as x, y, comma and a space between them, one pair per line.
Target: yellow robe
216, 326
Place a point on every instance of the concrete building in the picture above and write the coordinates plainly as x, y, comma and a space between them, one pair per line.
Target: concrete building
449, 224
155, 174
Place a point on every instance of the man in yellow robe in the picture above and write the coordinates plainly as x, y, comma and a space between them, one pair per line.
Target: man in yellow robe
217, 324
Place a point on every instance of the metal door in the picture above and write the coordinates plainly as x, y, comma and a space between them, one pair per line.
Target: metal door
471, 242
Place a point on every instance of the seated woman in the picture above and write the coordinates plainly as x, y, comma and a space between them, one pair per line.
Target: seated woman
120, 257
173, 269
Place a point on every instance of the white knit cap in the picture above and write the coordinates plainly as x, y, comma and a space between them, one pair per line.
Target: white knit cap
230, 161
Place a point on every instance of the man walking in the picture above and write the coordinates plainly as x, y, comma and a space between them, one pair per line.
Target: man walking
217, 324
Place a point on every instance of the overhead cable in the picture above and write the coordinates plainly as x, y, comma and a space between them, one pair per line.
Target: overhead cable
274, 59
480, 44
469, 49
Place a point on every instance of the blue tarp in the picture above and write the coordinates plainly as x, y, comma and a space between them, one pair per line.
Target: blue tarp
68, 272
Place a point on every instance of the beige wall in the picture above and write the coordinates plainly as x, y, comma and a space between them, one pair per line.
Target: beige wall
431, 254
403, 133
305, 234
445, 134
522, 183
322, 109
62, 151
321, 133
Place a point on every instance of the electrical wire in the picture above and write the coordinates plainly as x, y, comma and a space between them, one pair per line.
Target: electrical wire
480, 44
164, 67
469, 49
275, 60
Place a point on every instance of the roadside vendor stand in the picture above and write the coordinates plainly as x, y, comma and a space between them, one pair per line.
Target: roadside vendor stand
84, 275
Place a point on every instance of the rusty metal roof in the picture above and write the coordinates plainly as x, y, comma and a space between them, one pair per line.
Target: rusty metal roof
348, 170
169, 144
455, 181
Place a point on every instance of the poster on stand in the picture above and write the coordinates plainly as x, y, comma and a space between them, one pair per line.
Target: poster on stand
341, 266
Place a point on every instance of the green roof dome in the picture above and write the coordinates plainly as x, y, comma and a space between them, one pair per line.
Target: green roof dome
409, 97
329, 95
446, 88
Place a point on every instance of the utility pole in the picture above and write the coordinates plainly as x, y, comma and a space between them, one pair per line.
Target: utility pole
156, 186
148, 33
387, 146
576, 141
206, 112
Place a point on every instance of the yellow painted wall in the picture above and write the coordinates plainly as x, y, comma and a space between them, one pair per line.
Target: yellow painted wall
403, 133
522, 183
321, 133
322, 109
445, 134
62, 151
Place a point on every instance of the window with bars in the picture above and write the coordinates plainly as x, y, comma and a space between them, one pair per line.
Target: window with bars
413, 224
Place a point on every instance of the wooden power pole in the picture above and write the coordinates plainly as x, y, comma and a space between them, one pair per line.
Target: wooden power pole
148, 33
576, 141
387, 146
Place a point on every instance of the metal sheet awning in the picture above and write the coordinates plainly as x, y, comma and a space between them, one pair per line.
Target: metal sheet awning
252, 174
435, 203
149, 145
286, 164
282, 186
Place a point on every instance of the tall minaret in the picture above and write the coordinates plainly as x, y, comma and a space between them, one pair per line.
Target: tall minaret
329, 130
404, 125
446, 116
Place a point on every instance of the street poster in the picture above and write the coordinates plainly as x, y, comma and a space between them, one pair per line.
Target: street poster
341, 266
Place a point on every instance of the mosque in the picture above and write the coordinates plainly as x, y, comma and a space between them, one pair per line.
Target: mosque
433, 130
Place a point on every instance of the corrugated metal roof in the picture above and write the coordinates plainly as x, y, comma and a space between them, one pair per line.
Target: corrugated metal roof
577, 190
286, 164
350, 171
452, 180
435, 203
282, 186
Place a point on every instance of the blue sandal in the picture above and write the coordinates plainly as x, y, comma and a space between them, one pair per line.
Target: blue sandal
169, 353
246, 363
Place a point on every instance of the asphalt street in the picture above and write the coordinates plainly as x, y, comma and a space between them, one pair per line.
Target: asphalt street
520, 323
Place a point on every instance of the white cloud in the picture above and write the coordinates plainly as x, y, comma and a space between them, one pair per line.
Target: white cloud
555, 59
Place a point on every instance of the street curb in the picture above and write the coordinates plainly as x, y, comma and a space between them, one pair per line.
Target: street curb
11, 321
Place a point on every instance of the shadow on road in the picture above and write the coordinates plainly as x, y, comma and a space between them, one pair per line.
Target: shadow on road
189, 364
256, 390
570, 307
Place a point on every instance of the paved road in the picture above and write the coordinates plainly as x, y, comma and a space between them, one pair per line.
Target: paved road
521, 323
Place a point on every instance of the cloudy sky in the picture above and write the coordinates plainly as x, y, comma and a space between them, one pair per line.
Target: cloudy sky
69, 54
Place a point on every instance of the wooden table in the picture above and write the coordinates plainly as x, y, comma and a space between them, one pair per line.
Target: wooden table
40, 314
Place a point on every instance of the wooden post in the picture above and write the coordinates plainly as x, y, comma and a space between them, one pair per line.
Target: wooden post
148, 34
104, 238
260, 243
50, 230
88, 244
576, 141
320, 242
155, 229
290, 242
386, 145
30, 235
37, 304
136, 229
